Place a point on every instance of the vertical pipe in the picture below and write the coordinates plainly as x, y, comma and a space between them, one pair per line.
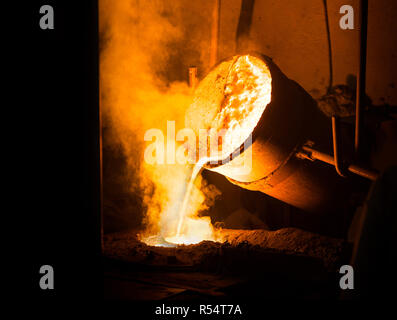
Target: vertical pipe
215, 33
329, 46
335, 140
360, 90
244, 25
192, 77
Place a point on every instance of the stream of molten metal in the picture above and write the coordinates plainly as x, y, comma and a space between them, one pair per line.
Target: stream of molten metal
246, 95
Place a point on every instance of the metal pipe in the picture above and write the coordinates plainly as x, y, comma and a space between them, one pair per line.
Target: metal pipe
244, 25
215, 33
360, 89
335, 140
329, 46
193, 77
313, 154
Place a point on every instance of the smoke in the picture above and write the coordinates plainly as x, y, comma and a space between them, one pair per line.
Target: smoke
145, 50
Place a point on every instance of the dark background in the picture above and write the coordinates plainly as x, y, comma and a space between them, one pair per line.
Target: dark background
60, 149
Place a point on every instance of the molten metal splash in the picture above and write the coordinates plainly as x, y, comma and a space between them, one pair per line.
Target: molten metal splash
247, 93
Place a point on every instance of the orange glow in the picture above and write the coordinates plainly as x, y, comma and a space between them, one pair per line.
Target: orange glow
247, 92
135, 38
189, 197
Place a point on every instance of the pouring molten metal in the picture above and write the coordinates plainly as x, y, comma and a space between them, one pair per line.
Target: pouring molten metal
244, 86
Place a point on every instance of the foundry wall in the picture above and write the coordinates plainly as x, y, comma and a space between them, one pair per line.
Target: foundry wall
293, 33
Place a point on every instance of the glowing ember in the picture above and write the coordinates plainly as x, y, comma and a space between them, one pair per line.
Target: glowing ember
247, 92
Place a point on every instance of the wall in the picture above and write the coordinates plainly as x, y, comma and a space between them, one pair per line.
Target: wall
293, 33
